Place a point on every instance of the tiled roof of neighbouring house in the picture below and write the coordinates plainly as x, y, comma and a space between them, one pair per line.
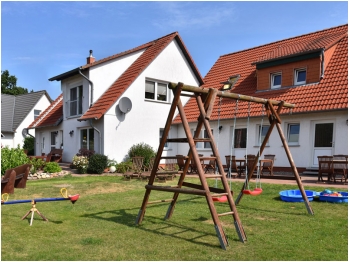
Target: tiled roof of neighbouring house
330, 93
51, 116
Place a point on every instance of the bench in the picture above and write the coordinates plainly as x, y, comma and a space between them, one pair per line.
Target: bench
55, 155
15, 178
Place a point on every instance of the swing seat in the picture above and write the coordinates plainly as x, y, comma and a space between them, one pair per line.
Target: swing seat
255, 192
220, 199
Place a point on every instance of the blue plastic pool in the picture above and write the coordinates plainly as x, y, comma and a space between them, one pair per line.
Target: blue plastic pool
296, 196
335, 199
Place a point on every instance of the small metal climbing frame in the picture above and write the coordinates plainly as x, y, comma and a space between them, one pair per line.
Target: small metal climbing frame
205, 99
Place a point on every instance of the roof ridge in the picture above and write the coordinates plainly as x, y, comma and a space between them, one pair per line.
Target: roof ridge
284, 40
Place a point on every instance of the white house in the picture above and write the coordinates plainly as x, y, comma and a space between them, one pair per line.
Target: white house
17, 112
310, 71
111, 104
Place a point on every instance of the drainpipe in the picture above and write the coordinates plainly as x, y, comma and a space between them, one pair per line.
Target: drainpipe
322, 63
91, 87
99, 134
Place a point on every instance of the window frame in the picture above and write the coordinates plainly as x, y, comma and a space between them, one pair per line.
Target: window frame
167, 145
203, 145
37, 113
272, 78
296, 74
289, 125
157, 85
264, 127
78, 100
89, 141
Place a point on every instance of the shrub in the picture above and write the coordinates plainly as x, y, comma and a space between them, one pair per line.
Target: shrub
123, 166
28, 144
52, 167
97, 163
85, 152
143, 150
11, 158
81, 163
37, 163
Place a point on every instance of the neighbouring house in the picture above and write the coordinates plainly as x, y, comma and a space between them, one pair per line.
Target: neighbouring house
111, 104
17, 112
310, 71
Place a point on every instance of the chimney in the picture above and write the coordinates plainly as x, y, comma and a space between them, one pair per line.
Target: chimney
90, 59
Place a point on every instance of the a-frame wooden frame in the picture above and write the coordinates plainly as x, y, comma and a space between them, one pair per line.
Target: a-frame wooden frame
205, 99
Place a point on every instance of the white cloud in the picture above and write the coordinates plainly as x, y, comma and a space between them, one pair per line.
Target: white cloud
195, 14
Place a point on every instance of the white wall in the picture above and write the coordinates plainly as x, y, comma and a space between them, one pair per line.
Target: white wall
143, 122
42, 104
302, 154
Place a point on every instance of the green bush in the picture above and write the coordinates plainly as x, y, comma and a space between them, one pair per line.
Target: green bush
143, 150
123, 166
37, 163
52, 167
28, 144
11, 158
97, 163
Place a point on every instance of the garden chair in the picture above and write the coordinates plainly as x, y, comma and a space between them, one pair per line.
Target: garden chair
268, 166
193, 165
325, 165
147, 173
233, 165
250, 162
210, 166
136, 169
340, 169
180, 159
55, 155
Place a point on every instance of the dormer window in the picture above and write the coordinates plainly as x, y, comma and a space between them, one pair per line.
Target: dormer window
276, 80
228, 85
300, 76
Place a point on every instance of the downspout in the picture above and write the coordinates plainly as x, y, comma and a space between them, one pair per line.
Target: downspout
99, 133
91, 102
91, 87
322, 63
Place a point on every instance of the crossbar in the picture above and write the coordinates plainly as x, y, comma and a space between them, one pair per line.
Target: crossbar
196, 89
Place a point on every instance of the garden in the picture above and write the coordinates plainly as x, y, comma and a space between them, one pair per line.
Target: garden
101, 224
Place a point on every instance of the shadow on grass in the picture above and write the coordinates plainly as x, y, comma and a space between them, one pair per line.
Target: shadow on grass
158, 226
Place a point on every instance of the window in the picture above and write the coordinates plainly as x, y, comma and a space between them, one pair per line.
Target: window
263, 134
293, 134
240, 138
161, 131
53, 140
156, 91
36, 113
300, 76
276, 80
87, 139
203, 134
228, 85
76, 101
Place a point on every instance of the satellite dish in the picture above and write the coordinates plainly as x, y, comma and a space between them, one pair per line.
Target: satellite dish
24, 132
125, 105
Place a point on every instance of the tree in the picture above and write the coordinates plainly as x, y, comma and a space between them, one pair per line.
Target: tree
9, 84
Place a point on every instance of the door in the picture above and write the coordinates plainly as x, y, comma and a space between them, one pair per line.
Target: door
323, 143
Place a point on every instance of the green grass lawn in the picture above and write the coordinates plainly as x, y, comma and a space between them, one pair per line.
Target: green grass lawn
101, 225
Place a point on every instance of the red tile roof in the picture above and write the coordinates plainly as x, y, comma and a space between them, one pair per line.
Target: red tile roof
152, 50
51, 116
331, 93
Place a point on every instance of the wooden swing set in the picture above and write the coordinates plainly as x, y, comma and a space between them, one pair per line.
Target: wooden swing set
205, 99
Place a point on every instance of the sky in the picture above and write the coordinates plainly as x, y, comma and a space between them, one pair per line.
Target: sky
40, 40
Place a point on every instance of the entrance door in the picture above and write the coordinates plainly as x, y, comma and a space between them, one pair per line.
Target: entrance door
323, 141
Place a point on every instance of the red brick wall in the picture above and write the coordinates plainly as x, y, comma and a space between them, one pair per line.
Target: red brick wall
313, 73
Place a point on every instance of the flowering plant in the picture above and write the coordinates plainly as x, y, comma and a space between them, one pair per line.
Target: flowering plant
81, 163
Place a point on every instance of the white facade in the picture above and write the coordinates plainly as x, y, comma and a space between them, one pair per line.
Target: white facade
304, 153
17, 138
114, 134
